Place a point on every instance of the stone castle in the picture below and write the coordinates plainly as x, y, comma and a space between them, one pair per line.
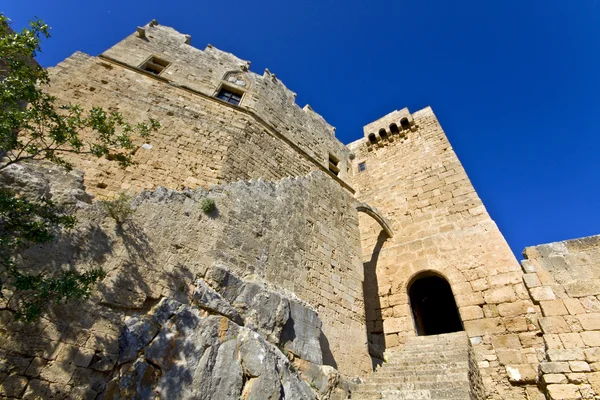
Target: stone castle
328, 271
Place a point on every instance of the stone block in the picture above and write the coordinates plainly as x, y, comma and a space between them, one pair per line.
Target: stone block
498, 295
554, 325
516, 324
13, 386
566, 354
506, 342
471, 312
591, 339
590, 322
592, 355
555, 367
394, 325
555, 378
521, 374
571, 340
589, 287
531, 280
553, 307
485, 326
579, 366
516, 308
507, 357
563, 392
574, 306
594, 380
542, 293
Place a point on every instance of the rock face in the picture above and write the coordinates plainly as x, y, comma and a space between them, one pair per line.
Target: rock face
222, 347
179, 351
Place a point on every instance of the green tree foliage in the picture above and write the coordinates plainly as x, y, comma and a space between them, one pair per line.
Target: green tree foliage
33, 126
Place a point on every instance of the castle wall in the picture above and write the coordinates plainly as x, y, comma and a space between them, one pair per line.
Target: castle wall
441, 225
201, 141
297, 236
206, 71
563, 278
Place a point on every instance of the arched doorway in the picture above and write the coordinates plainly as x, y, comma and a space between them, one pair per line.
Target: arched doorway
433, 306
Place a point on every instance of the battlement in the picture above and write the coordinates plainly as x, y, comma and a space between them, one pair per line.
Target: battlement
166, 53
396, 123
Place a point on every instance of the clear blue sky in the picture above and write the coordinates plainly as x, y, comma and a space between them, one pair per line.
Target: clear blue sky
515, 84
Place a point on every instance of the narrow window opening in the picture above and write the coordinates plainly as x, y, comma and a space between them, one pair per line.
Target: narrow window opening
333, 164
372, 138
383, 133
229, 96
155, 65
362, 166
394, 128
404, 123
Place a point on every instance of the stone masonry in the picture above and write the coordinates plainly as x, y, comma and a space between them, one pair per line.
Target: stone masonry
302, 284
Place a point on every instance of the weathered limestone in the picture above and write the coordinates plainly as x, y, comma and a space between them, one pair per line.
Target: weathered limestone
569, 321
415, 180
285, 290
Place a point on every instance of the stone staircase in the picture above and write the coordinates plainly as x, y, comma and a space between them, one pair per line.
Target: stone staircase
427, 367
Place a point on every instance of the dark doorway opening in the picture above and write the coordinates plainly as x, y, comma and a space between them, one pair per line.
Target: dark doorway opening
433, 306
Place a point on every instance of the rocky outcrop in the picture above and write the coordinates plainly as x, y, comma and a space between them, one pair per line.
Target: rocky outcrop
178, 351
228, 344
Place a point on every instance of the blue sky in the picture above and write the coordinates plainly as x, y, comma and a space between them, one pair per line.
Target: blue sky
515, 84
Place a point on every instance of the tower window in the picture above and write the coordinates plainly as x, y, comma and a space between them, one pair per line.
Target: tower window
333, 164
229, 96
155, 65
362, 166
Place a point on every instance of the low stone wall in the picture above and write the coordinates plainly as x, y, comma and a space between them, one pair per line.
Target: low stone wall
563, 278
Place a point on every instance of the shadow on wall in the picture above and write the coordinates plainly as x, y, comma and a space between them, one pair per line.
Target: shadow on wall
328, 358
373, 315
78, 343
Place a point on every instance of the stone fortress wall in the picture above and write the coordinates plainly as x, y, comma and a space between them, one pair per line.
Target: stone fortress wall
293, 229
203, 140
563, 278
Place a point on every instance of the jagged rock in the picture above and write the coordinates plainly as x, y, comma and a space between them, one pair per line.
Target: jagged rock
42, 178
280, 320
198, 356
139, 331
301, 333
206, 298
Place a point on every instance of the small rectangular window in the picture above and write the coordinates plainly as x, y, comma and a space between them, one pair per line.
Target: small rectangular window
229, 96
333, 164
155, 65
362, 166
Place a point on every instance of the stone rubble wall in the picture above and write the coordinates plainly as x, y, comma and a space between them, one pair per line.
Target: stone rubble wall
206, 71
441, 225
280, 238
563, 279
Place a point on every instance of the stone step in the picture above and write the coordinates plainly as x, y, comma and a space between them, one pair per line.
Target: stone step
425, 367
446, 385
435, 394
441, 377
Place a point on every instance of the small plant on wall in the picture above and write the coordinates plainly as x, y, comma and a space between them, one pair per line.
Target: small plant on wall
119, 209
207, 205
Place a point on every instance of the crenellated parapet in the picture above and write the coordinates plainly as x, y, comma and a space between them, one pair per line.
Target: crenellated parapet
394, 125
167, 54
